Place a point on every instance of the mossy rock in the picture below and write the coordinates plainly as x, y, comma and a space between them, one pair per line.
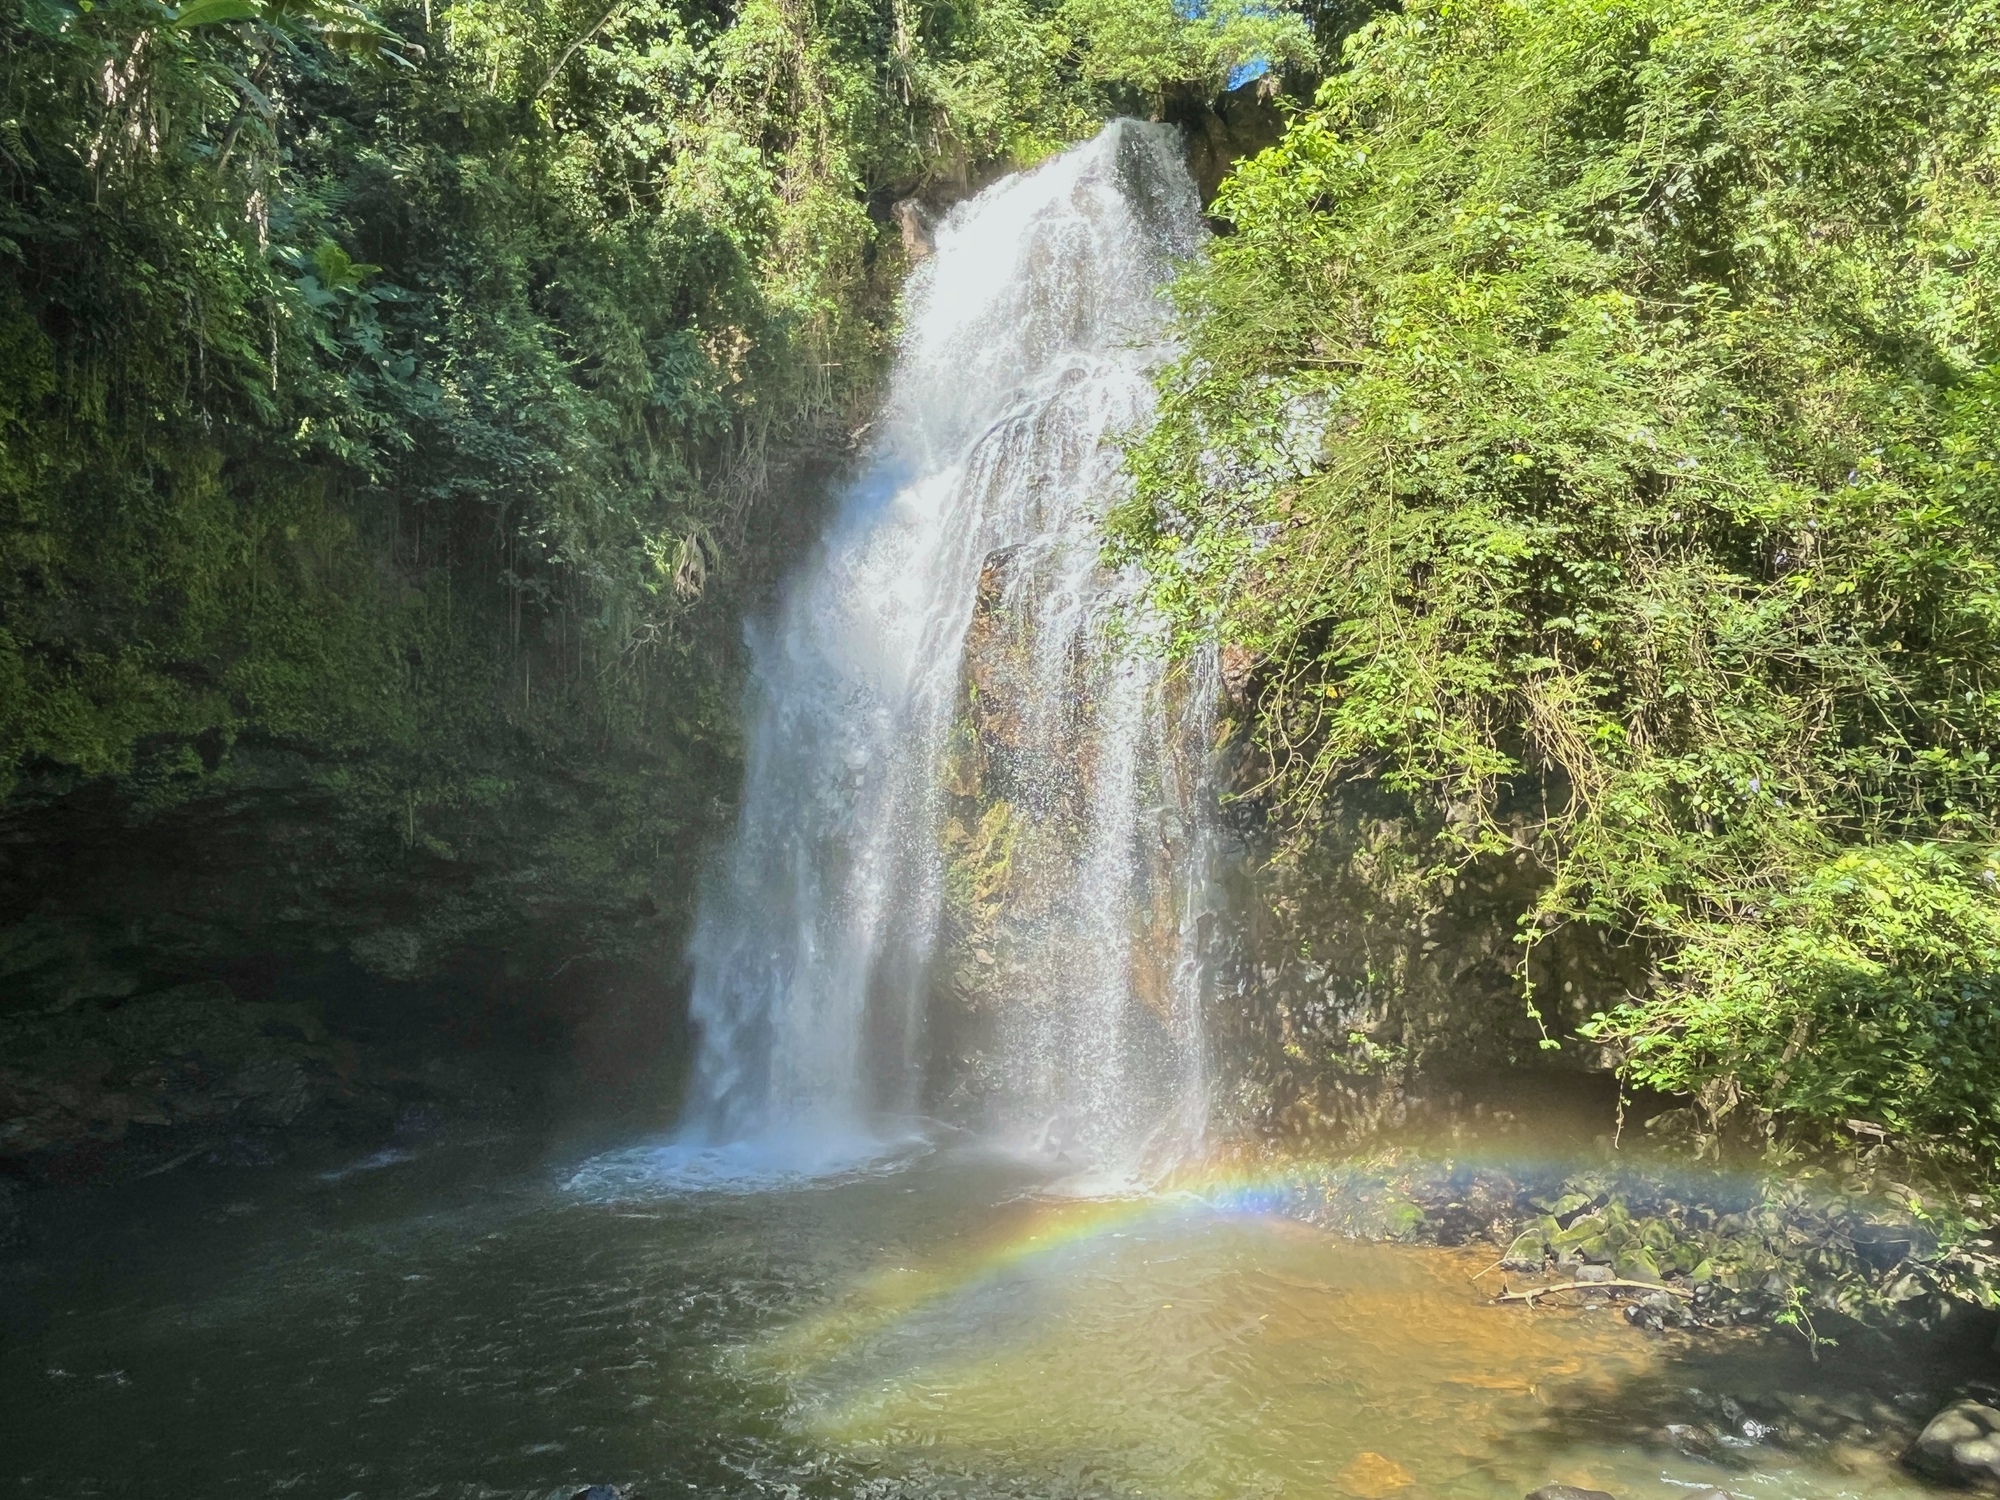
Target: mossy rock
1588, 1227
1604, 1235
1402, 1218
1637, 1264
1527, 1252
1596, 1250
1564, 1206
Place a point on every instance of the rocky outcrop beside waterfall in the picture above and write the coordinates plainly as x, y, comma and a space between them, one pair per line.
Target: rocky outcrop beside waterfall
1223, 129
151, 950
116, 1062
1021, 777
1363, 992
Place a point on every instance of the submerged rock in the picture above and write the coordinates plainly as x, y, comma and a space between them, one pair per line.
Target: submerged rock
1695, 1440
1568, 1492
1961, 1445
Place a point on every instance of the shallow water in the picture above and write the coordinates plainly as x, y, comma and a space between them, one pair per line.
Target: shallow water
467, 1322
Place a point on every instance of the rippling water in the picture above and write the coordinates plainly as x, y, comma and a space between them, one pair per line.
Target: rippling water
469, 1323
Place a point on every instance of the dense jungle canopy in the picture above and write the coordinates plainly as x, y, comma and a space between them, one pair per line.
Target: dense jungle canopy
1585, 430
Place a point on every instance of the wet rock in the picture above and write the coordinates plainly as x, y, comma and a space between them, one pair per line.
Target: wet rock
49, 964
1658, 1312
914, 223
1638, 1265
77, 1080
1239, 666
272, 1090
1695, 1442
1568, 1492
1961, 1445
1565, 1208
598, 1492
1373, 1476
1594, 1251
1591, 1239
1526, 1253
1886, 1245
1753, 1428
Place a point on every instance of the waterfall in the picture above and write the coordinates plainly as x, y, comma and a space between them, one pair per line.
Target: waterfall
973, 802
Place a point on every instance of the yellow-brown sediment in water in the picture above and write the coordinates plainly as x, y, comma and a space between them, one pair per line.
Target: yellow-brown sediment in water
1182, 1347
1159, 1346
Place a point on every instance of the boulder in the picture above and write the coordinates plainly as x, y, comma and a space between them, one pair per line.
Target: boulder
1961, 1445
273, 1091
1694, 1440
915, 223
597, 1492
1527, 1252
1638, 1265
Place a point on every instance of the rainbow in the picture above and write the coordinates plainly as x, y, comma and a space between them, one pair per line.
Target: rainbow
1042, 1227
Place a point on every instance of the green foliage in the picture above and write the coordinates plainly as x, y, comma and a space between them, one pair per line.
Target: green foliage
1147, 46
1588, 430
408, 391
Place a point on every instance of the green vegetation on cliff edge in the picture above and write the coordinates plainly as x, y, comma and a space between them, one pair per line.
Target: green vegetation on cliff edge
1589, 431
396, 408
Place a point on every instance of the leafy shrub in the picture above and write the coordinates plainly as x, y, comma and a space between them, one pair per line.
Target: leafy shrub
1594, 411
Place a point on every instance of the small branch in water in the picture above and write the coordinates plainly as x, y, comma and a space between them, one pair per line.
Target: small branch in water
1531, 1293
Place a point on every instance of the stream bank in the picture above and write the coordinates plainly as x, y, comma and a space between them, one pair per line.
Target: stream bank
1830, 1256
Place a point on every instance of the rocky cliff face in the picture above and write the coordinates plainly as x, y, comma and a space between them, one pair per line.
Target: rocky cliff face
1020, 781
1363, 989
269, 961
1222, 131
1344, 991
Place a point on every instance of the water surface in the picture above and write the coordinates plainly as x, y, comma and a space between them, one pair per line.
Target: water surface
465, 1322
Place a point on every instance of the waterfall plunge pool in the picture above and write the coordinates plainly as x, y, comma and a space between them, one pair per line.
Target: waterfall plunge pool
958, 769
466, 1323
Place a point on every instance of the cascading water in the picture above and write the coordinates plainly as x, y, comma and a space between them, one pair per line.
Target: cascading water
968, 787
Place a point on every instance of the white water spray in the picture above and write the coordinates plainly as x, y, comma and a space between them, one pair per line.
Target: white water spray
819, 951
